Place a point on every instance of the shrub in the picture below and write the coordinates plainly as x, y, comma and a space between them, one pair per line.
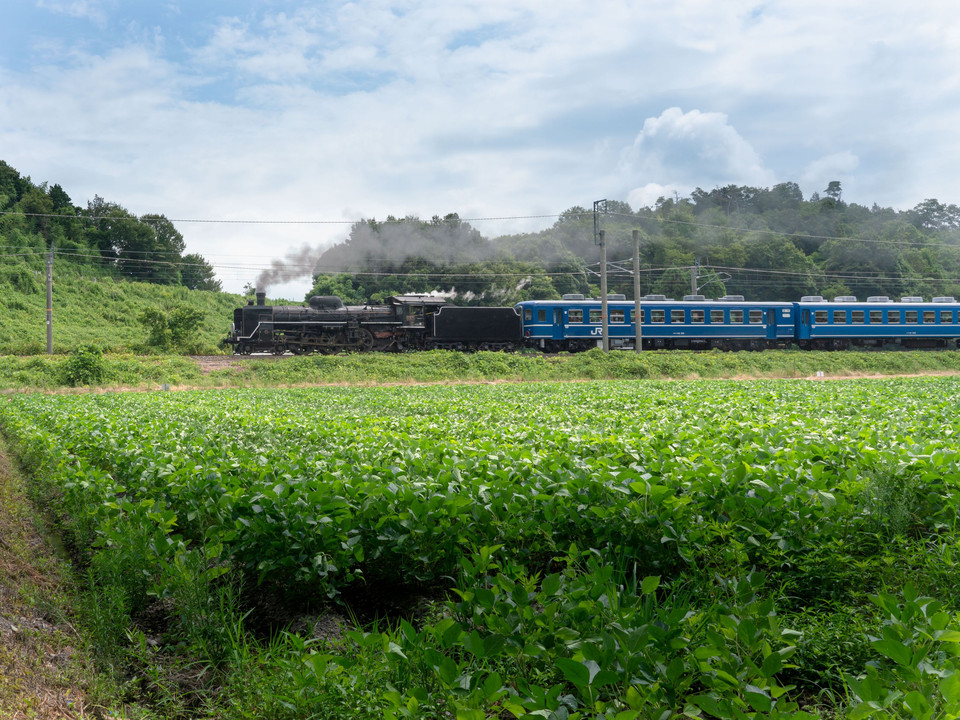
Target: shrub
85, 366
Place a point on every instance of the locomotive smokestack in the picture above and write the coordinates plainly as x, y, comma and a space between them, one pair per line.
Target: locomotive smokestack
261, 298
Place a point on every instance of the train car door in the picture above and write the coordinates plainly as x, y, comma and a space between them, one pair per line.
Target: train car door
771, 323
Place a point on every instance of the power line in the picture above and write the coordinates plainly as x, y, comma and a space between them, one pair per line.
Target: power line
783, 233
212, 221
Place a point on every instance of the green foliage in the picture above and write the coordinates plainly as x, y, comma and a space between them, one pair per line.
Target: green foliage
104, 235
85, 366
764, 243
176, 329
618, 549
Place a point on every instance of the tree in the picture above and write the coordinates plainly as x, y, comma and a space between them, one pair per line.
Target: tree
197, 274
934, 215
174, 329
833, 190
162, 253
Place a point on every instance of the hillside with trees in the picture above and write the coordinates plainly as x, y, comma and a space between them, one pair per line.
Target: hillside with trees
763, 243
122, 282
103, 235
125, 282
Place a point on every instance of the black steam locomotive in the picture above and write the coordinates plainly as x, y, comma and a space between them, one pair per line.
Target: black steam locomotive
402, 322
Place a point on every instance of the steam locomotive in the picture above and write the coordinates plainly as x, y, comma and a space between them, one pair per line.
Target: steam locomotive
402, 322
574, 323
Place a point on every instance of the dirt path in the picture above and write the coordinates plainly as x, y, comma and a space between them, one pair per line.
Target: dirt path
39, 663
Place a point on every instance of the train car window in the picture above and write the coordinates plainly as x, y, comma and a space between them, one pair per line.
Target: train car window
839, 317
929, 316
856, 317
676, 316
541, 315
575, 315
528, 315
716, 316
946, 317
911, 316
697, 316
736, 316
756, 317
658, 316
596, 316
557, 316
616, 316
876, 316
893, 316
820, 316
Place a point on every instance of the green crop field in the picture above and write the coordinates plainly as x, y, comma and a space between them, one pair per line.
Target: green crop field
626, 549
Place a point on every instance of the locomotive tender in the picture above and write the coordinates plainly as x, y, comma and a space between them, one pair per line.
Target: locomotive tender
574, 323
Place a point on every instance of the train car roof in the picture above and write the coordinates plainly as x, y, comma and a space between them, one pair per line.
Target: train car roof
863, 304
692, 303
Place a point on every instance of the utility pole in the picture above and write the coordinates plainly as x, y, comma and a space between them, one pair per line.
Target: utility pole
694, 276
599, 237
50, 300
637, 310
604, 322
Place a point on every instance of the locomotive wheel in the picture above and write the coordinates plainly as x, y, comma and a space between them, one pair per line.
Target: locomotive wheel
278, 349
326, 344
365, 340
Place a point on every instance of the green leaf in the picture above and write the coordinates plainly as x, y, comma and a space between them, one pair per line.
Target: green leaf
550, 584
772, 664
950, 689
758, 698
917, 703
713, 704
447, 671
896, 651
575, 672
650, 583
474, 644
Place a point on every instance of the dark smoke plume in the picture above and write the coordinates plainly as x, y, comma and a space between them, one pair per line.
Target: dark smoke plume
296, 265
382, 247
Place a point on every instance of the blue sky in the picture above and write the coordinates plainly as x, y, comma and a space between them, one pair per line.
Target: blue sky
333, 111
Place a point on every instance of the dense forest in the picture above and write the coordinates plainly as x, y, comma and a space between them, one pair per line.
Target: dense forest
757, 242
103, 235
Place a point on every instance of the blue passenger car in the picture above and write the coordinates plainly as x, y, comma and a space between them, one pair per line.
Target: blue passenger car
846, 322
575, 323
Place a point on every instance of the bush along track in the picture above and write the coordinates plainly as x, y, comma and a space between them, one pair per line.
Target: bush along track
622, 549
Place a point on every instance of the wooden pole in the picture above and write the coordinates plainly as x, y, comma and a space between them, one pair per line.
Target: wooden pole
637, 310
50, 300
605, 323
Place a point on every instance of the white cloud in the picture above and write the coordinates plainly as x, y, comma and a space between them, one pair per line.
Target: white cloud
483, 107
678, 151
86, 9
838, 166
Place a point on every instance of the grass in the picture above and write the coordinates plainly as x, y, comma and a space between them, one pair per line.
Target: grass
48, 670
90, 308
150, 372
